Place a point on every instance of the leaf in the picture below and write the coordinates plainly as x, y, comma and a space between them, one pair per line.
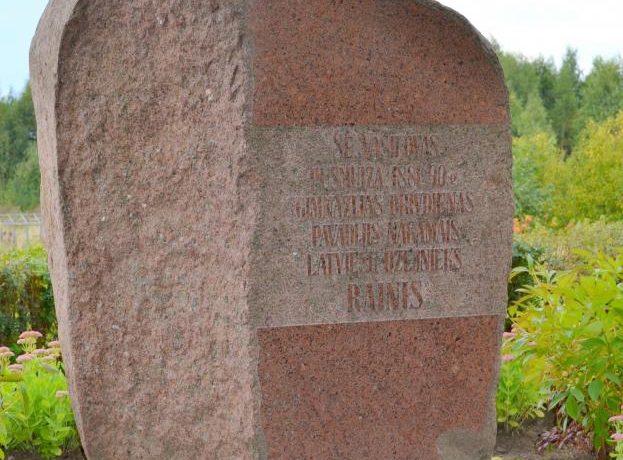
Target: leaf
556, 400
577, 393
571, 408
613, 378
595, 389
593, 342
594, 329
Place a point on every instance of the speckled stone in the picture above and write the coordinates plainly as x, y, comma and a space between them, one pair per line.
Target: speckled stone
205, 309
378, 390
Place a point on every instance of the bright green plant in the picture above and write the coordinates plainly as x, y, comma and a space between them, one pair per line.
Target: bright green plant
519, 397
26, 299
559, 247
35, 411
533, 157
569, 331
588, 184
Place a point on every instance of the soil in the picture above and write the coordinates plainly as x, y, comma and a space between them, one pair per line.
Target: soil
521, 445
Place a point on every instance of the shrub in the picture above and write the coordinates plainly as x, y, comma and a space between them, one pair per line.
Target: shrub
26, 299
559, 246
588, 184
35, 414
519, 396
533, 157
524, 255
568, 331
22, 189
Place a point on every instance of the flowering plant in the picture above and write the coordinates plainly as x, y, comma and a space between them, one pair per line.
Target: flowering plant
35, 411
519, 396
617, 436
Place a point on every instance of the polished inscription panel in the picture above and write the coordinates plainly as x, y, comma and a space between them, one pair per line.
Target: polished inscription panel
379, 223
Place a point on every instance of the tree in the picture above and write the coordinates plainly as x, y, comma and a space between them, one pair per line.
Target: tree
564, 113
23, 188
546, 70
589, 184
532, 118
602, 93
17, 136
533, 158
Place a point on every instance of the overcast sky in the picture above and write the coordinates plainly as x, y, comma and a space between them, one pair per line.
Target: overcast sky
530, 27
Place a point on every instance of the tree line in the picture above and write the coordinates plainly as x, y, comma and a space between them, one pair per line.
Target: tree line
565, 128
567, 138
19, 164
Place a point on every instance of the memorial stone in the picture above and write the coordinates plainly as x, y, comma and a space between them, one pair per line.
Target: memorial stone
277, 229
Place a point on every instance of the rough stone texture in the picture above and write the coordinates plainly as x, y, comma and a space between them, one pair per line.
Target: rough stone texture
327, 62
161, 202
378, 390
149, 233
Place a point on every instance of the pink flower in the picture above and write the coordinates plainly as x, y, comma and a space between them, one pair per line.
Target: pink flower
21, 341
30, 335
508, 335
25, 357
618, 437
4, 349
54, 344
616, 418
507, 358
62, 394
40, 351
16, 368
7, 354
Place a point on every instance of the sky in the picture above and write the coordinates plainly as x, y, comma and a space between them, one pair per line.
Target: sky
548, 27
529, 27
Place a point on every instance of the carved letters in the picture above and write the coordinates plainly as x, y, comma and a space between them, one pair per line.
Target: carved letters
387, 206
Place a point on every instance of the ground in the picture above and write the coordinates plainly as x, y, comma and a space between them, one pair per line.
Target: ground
521, 445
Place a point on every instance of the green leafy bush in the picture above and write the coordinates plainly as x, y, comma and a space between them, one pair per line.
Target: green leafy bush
569, 332
26, 299
589, 183
519, 397
22, 190
525, 254
617, 438
559, 246
35, 414
533, 157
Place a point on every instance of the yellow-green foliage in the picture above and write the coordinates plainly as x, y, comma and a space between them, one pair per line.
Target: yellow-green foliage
589, 184
533, 157
26, 299
559, 246
568, 334
35, 414
519, 395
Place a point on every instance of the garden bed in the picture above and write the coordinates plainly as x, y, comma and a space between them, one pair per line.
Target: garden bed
521, 445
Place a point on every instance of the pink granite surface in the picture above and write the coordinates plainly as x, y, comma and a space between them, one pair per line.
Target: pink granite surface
152, 202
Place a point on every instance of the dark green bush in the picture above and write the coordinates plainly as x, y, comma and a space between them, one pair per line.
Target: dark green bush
26, 300
524, 255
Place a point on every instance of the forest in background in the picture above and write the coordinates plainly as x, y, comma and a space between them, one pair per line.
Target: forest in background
567, 142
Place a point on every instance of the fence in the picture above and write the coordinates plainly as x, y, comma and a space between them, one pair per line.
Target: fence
19, 229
